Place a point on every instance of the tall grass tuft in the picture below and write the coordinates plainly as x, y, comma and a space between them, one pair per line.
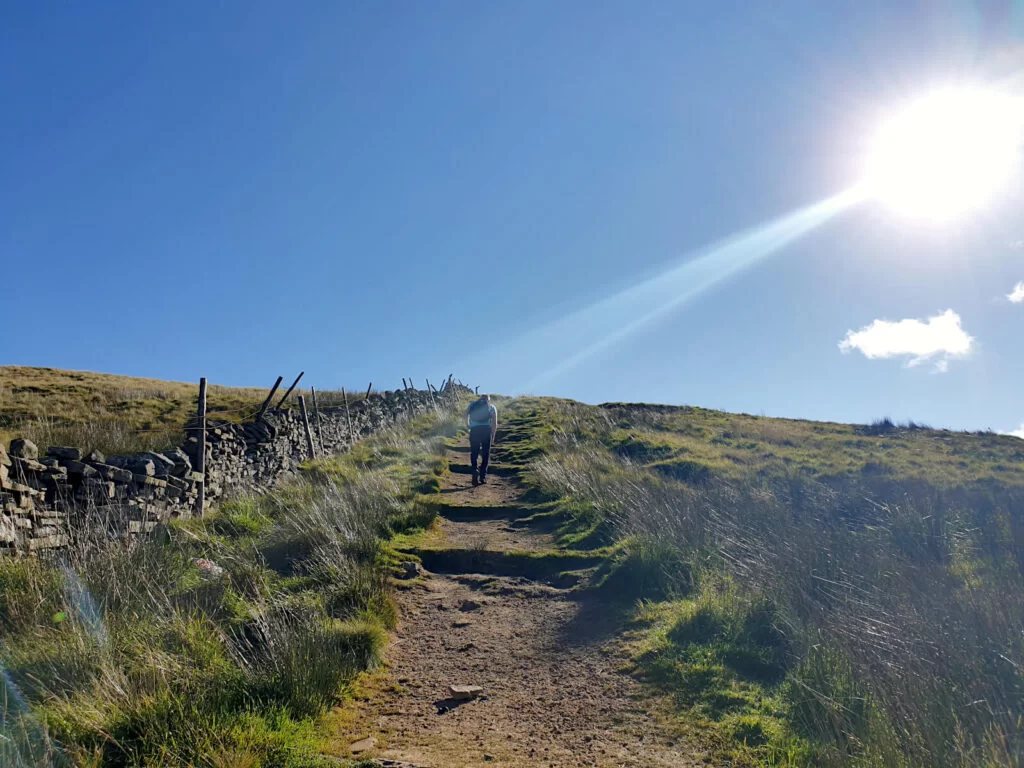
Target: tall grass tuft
879, 621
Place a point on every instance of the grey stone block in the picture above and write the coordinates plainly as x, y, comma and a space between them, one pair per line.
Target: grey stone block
78, 468
75, 454
117, 474
24, 448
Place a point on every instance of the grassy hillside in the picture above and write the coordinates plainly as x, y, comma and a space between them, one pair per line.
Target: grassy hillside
680, 441
805, 593
808, 593
116, 414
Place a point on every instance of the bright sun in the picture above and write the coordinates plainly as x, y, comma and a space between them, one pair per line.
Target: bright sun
947, 153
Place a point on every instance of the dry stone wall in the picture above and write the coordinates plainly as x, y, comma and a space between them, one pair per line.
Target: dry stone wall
48, 497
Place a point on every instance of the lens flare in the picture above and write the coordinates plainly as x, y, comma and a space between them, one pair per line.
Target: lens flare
948, 153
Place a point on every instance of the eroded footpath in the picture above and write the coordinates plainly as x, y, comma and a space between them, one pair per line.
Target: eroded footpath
496, 607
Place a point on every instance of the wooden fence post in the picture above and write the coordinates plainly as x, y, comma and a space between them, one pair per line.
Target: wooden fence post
319, 423
201, 453
348, 415
430, 391
368, 391
294, 384
305, 424
266, 403
411, 385
404, 385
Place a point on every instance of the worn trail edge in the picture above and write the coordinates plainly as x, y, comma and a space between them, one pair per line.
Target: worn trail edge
495, 608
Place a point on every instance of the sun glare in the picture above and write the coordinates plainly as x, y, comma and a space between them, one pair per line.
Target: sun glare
948, 153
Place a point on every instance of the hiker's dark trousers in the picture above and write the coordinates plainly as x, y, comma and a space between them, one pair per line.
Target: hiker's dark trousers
480, 445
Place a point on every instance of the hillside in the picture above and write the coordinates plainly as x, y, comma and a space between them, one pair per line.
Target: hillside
116, 414
124, 413
637, 585
688, 443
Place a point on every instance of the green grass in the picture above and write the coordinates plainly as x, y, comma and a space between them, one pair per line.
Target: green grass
120, 414
806, 593
695, 444
131, 656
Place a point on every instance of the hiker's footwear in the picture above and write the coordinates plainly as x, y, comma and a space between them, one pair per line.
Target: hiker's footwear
476, 478
483, 478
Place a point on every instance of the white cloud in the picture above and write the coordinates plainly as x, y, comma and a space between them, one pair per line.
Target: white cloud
1017, 432
1017, 294
938, 338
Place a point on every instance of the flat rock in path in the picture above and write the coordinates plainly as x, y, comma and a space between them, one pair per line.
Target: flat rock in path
363, 745
465, 692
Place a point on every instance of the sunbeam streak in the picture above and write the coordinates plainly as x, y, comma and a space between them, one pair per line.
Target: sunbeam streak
576, 337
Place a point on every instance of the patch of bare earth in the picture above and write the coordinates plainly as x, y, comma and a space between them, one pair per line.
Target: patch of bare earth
552, 694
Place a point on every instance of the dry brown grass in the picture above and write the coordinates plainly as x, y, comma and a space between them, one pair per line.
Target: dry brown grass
122, 414
104, 411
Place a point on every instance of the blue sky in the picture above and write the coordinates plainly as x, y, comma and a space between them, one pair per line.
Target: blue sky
376, 190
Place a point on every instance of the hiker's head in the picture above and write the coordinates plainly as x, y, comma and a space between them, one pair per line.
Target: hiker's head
486, 398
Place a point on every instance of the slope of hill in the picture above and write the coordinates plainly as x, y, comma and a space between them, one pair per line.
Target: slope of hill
77, 407
753, 591
115, 414
810, 593
686, 443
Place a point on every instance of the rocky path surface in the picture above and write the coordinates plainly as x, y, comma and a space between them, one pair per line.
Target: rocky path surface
552, 694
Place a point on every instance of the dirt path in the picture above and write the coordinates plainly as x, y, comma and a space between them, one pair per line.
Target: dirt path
552, 692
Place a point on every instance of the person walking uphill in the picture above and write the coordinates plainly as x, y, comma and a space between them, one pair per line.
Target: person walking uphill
482, 418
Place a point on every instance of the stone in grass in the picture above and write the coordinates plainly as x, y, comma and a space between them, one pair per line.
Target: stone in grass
208, 569
469, 605
363, 745
465, 692
410, 569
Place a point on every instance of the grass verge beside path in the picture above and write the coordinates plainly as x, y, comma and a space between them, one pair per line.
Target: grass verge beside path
219, 642
806, 593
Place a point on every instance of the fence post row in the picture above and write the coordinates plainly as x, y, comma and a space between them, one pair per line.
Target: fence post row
201, 453
310, 445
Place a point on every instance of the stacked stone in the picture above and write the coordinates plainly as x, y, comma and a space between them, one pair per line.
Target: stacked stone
26, 522
159, 487
225, 457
